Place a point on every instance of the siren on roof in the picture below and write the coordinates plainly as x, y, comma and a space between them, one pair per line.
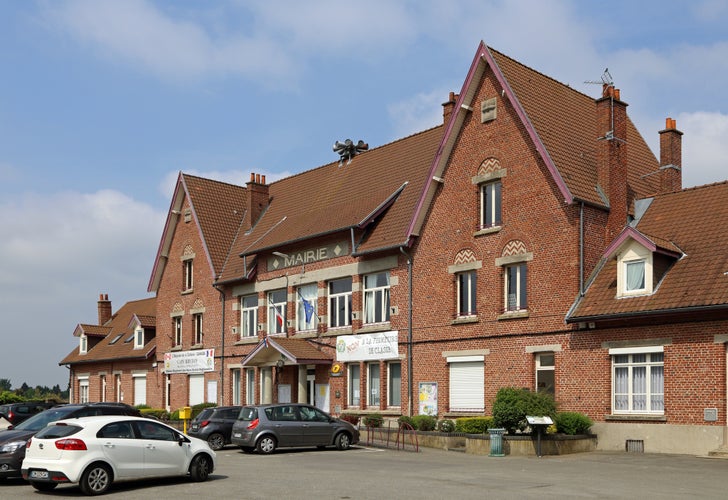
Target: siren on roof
348, 150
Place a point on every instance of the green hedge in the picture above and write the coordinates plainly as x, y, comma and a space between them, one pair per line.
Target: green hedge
159, 413
373, 420
511, 406
424, 422
572, 423
473, 425
352, 418
446, 425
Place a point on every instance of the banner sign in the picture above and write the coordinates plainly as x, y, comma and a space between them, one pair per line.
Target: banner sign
199, 361
367, 347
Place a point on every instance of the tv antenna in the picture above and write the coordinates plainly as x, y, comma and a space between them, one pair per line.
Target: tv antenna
606, 79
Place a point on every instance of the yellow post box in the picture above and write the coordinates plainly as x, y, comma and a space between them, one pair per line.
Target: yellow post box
185, 413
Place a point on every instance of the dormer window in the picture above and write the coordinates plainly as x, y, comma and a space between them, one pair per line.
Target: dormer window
634, 270
82, 344
139, 338
634, 276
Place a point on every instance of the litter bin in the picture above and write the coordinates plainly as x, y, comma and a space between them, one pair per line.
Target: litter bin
496, 442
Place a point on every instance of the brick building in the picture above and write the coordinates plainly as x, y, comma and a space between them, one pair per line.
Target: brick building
531, 240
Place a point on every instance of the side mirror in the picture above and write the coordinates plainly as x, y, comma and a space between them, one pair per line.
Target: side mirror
182, 440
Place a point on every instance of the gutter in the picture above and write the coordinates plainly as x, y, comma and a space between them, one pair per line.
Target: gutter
409, 331
643, 314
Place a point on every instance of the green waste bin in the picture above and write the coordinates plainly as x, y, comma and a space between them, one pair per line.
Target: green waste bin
496, 442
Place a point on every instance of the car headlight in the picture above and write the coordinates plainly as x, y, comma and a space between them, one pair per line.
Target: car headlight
12, 446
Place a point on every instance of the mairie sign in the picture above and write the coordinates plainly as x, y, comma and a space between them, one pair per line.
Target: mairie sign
307, 256
198, 361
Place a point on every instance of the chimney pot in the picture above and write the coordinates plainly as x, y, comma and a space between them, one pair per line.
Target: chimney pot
262, 179
252, 176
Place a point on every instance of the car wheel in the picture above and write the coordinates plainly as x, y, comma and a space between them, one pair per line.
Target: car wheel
216, 441
200, 468
43, 486
266, 445
247, 449
96, 479
343, 441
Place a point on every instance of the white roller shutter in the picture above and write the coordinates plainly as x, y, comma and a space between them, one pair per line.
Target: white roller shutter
197, 389
467, 381
140, 390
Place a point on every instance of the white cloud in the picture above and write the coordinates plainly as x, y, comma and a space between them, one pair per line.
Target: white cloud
417, 113
705, 149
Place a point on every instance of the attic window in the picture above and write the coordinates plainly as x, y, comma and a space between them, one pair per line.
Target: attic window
139, 338
82, 344
116, 339
634, 271
488, 110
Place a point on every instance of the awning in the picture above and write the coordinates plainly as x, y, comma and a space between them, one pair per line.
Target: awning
281, 351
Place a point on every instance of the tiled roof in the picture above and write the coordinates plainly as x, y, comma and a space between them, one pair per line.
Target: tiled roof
693, 221
120, 324
337, 197
566, 123
298, 351
92, 330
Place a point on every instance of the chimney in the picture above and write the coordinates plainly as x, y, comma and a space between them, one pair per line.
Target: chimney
257, 198
104, 309
670, 157
449, 106
612, 157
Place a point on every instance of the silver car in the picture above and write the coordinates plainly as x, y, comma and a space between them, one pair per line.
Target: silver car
264, 428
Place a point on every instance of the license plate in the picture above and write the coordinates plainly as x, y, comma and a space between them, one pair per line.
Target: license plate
237, 434
193, 428
39, 474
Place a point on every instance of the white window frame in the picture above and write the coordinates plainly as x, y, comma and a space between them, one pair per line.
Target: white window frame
339, 303
634, 254
394, 385
83, 390
467, 291
83, 344
353, 385
491, 206
197, 321
521, 283
281, 305
652, 361
376, 298
235, 378
250, 386
102, 385
310, 293
467, 383
188, 269
374, 382
248, 316
177, 325
543, 368
139, 338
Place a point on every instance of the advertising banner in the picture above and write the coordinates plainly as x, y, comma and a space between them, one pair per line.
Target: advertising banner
367, 347
189, 361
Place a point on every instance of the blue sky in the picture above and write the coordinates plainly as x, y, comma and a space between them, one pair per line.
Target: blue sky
102, 103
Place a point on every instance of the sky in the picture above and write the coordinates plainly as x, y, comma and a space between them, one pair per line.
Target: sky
104, 102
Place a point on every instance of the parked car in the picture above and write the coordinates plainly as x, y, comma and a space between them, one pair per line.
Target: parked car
13, 441
266, 427
96, 451
215, 425
15, 413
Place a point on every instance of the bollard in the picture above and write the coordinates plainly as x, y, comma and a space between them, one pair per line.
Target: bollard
496, 442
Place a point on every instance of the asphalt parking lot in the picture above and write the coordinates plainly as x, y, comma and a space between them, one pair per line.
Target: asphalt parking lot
372, 473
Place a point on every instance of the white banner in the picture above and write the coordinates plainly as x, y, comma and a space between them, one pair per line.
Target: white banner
189, 361
370, 346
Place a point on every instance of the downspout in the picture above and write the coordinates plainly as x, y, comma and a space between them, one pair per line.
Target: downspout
221, 397
581, 249
409, 333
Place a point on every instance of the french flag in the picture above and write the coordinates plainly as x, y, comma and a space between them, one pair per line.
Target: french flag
279, 316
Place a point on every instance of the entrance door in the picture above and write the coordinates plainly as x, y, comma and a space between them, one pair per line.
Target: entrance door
322, 397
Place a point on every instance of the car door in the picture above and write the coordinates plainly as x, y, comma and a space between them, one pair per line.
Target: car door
163, 454
285, 423
317, 429
119, 445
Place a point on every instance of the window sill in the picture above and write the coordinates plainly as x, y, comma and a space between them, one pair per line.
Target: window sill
513, 315
487, 230
335, 332
247, 341
640, 417
176, 348
464, 320
379, 327
187, 292
197, 346
305, 335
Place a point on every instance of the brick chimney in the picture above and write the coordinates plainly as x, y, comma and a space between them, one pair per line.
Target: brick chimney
448, 106
612, 157
670, 157
257, 198
104, 305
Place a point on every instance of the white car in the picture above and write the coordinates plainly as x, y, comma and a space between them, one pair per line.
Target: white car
96, 451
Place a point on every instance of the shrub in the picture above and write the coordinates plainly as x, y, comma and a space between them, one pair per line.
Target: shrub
473, 425
511, 406
572, 423
405, 422
159, 413
373, 420
196, 409
9, 397
424, 422
446, 426
352, 418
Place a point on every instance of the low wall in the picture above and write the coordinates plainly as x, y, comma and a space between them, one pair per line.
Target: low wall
660, 438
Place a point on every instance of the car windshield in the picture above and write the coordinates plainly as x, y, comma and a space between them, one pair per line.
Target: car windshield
40, 420
57, 431
204, 415
248, 414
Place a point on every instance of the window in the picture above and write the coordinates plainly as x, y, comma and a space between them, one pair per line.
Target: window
354, 380
250, 386
635, 276
249, 316
394, 384
306, 307
340, 302
277, 302
467, 383
235, 372
139, 338
376, 298
515, 287
373, 379
83, 344
118, 395
490, 204
638, 381
83, 390
177, 330
466, 293
197, 320
187, 269
545, 373
140, 390
102, 380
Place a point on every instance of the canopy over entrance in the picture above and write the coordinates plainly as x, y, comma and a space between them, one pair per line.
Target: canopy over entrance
281, 351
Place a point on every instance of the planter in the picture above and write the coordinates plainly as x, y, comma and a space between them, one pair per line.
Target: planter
551, 444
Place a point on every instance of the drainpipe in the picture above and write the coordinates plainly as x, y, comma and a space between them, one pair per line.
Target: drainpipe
221, 397
409, 333
581, 249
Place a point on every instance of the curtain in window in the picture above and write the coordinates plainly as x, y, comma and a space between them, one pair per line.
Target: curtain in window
639, 388
657, 384
635, 275
621, 388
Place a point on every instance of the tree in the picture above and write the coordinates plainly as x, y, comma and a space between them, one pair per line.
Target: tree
5, 384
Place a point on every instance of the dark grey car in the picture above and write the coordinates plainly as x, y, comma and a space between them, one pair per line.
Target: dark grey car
214, 425
266, 427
